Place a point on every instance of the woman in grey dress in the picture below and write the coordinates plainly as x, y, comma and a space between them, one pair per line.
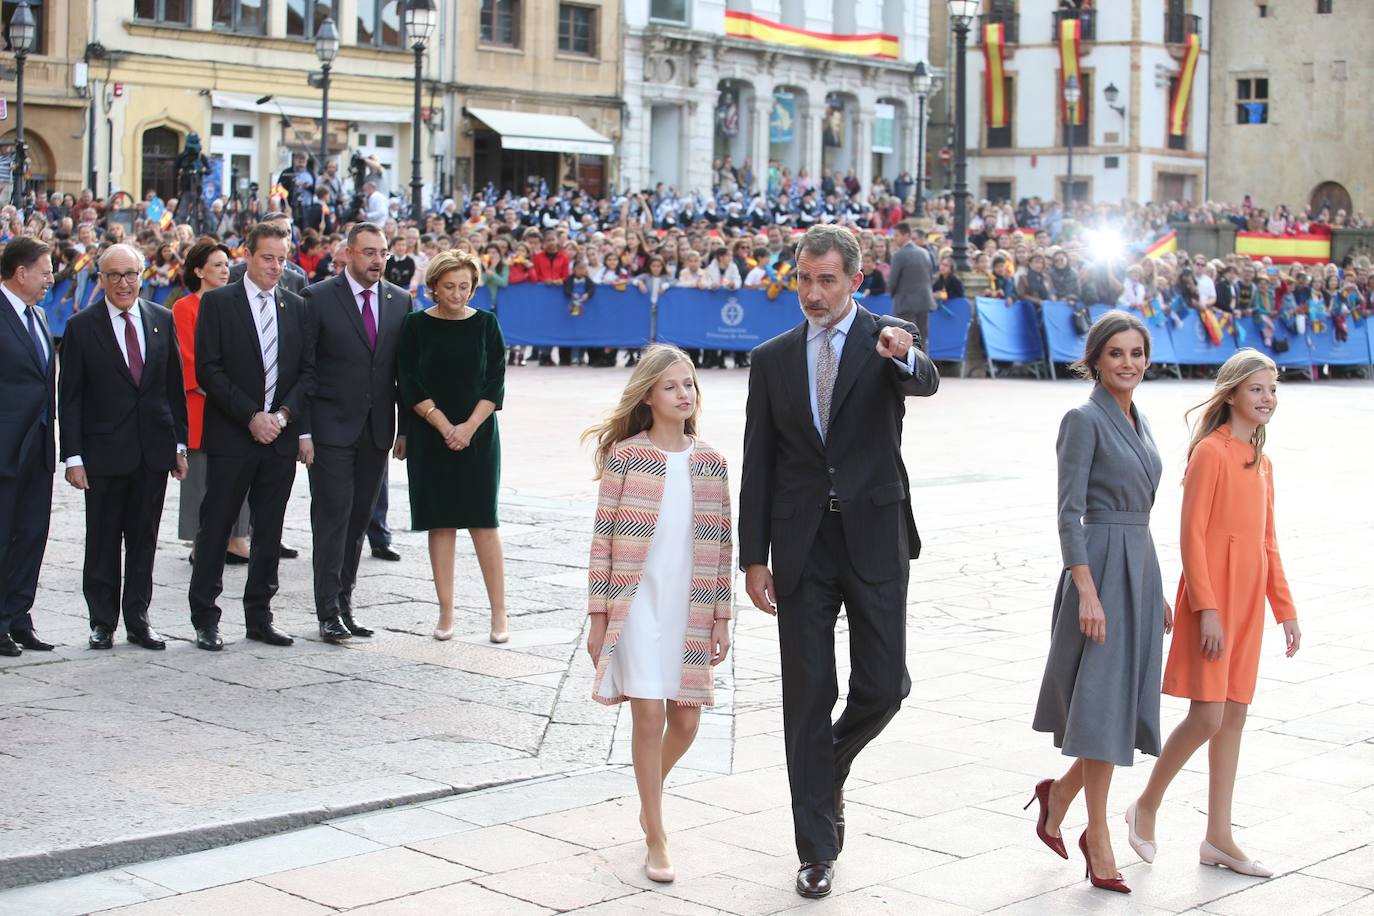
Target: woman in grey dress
1100, 694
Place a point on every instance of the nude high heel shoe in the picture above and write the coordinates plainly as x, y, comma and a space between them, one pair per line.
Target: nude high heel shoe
1210, 855
658, 875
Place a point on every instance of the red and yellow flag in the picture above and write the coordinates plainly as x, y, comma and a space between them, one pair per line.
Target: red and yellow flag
747, 25
1070, 38
1285, 249
994, 48
1165, 244
165, 221
1183, 91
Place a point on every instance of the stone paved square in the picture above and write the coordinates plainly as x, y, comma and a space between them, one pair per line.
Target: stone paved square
520, 795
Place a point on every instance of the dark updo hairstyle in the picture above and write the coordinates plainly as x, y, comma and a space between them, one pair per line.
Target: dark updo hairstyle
197, 258
1103, 330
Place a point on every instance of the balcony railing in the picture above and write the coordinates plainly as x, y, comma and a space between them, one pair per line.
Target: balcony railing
1087, 17
1178, 26
1003, 17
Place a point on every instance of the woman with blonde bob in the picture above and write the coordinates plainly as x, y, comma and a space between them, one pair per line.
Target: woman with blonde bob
660, 574
452, 367
1231, 564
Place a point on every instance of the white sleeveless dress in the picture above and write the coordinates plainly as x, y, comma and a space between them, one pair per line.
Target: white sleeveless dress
647, 662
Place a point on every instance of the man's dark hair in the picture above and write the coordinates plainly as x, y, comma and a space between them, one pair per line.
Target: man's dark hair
359, 228
196, 259
21, 252
267, 229
903, 227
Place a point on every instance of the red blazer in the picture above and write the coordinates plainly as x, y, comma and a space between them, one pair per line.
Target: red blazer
184, 312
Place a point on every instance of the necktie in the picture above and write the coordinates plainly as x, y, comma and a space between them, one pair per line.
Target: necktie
131, 347
37, 337
369, 320
825, 378
267, 331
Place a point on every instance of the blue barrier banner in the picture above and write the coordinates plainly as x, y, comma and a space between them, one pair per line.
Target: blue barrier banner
949, 330
537, 315
726, 319
1192, 348
57, 305
1162, 352
1061, 337
1328, 351
1011, 333
1297, 356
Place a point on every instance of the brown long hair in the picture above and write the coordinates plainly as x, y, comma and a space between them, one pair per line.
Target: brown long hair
1216, 413
631, 415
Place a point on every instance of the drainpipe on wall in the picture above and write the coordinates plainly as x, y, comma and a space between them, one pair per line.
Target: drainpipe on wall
1207, 137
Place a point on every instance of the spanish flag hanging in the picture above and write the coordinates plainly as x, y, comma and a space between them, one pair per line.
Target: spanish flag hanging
747, 25
994, 46
1165, 244
1070, 37
1183, 91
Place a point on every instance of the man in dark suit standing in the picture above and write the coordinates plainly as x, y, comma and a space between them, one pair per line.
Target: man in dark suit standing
352, 329
28, 378
252, 361
123, 412
825, 491
293, 278
910, 281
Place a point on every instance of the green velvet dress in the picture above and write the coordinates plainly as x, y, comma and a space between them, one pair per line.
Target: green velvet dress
456, 363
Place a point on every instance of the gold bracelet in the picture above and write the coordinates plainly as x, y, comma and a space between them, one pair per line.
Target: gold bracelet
432, 408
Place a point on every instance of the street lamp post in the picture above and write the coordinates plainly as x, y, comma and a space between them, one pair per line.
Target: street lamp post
420, 16
961, 16
326, 49
23, 30
921, 82
1072, 95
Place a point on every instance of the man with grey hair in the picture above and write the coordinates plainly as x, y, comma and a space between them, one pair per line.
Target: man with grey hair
824, 498
122, 419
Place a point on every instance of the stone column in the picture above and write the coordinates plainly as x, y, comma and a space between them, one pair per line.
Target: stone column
862, 126
763, 111
812, 150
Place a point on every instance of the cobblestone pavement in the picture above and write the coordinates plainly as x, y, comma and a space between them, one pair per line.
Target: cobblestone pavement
127, 756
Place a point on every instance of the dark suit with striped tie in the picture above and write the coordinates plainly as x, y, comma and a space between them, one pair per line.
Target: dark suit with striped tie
250, 357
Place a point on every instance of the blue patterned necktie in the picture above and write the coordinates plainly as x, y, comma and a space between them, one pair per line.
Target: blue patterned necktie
37, 337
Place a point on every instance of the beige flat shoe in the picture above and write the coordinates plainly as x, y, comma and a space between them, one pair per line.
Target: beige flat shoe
1210, 855
499, 637
658, 875
1146, 849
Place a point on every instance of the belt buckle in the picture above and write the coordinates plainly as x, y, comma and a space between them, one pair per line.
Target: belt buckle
833, 504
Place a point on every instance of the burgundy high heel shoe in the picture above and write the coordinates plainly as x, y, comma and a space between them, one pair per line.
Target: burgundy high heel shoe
1042, 793
1107, 884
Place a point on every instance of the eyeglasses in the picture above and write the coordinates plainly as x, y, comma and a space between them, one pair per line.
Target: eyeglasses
128, 276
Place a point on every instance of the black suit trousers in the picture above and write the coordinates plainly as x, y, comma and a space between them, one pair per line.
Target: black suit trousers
25, 510
265, 477
122, 510
819, 754
344, 482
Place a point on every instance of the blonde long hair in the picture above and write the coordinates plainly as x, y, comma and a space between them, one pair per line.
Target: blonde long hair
631, 415
1216, 413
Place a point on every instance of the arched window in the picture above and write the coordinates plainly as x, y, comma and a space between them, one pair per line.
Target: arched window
159, 155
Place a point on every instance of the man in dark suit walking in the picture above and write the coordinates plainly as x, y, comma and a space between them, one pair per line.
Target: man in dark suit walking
252, 361
123, 412
293, 278
910, 281
28, 378
824, 490
352, 329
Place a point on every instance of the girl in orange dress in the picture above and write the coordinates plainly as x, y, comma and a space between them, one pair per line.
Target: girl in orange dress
1230, 565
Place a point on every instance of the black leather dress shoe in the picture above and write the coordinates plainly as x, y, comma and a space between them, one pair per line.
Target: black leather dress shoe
270, 635
146, 637
9, 648
814, 879
333, 630
839, 817
29, 640
287, 553
357, 629
101, 637
385, 553
207, 638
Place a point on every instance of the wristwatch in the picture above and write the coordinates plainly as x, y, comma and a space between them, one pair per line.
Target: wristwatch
181, 450
281, 419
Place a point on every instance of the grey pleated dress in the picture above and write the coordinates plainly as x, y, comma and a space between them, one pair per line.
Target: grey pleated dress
1101, 702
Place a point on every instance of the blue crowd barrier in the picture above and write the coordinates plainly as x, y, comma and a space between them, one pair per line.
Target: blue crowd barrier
537, 315
1011, 332
1299, 352
58, 306
1328, 351
1193, 348
729, 319
1062, 340
1162, 352
949, 330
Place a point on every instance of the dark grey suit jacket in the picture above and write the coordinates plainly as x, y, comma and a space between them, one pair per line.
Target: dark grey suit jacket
909, 282
28, 407
789, 472
354, 385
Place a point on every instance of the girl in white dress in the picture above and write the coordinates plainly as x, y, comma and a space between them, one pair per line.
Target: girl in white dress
662, 521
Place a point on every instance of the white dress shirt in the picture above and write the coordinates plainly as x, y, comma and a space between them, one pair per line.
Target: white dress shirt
21, 311
813, 349
357, 290
254, 297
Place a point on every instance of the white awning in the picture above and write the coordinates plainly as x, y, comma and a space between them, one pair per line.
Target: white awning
544, 133
310, 108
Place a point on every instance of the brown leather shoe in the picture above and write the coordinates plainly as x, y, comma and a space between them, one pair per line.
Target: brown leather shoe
814, 879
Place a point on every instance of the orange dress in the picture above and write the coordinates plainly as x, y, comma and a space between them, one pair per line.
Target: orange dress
1231, 563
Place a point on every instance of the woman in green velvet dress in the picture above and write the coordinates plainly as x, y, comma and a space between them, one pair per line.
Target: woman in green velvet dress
452, 374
